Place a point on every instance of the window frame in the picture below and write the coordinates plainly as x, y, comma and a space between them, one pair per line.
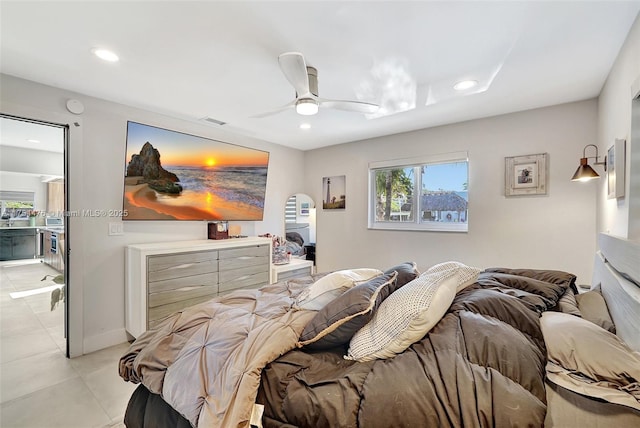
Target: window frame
416, 224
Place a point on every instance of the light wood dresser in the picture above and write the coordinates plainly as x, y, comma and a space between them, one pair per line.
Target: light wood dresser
165, 277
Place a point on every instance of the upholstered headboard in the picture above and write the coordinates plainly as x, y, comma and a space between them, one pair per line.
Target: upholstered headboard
617, 271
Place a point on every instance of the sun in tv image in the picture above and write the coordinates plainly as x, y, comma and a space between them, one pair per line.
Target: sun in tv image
170, 175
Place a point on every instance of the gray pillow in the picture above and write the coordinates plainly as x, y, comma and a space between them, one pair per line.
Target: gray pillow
568, 304
407, 272
338, 321
594, 308
589, 360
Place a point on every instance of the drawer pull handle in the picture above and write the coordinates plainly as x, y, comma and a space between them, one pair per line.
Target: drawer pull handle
183, 266
241, 278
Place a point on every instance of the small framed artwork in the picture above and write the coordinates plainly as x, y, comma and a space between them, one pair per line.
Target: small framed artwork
615, 169
334, 193
304, 208
526, 175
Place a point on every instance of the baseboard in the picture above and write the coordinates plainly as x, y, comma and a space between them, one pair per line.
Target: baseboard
104, 340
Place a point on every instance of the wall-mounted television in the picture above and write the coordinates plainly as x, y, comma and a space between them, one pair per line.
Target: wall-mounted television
171, 175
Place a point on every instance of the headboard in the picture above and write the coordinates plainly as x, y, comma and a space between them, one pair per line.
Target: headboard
617, 271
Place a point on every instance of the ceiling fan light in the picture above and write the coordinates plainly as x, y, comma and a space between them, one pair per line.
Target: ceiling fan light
307, 107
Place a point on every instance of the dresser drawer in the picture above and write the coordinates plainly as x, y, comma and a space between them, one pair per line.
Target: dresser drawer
303, 271
179, 265
249, 277
243, 257
160, 312
173, 290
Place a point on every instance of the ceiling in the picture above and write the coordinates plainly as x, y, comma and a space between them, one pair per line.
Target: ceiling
193, 60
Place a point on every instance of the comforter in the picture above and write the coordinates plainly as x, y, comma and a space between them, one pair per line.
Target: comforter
206, 360
483, 365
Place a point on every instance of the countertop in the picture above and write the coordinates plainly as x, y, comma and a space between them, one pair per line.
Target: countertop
42, 227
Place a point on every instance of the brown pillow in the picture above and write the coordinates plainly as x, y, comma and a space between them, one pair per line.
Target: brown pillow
407, 272
594, 308
338, 321
589, 360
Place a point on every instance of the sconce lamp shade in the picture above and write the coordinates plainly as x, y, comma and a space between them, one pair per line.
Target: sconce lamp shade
584, 172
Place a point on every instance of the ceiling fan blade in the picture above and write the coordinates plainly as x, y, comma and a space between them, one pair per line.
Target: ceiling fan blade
355, 106
275, 111
295, 70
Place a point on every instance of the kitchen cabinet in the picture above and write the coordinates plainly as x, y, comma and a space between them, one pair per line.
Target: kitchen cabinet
17, 244
55, 197
53, 248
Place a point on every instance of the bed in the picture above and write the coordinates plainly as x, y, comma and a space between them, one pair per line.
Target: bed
349, 348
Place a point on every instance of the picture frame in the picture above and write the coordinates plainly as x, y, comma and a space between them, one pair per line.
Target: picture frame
526, 175
615, 169
334, 193
304, 208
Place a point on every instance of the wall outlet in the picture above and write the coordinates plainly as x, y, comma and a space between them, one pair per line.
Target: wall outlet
116, 228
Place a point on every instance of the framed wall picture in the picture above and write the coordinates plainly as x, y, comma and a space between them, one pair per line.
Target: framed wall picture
304, 208
615, 169
334, 193
526, 175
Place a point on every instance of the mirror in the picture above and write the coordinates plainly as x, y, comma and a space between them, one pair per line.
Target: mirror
300, 226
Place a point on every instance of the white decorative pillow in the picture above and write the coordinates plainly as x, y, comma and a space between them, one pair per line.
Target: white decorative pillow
406, 315
467, 275
330, 286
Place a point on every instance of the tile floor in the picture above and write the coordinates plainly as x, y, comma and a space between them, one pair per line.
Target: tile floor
39, 386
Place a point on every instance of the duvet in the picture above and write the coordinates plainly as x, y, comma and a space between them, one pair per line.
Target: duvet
482, 365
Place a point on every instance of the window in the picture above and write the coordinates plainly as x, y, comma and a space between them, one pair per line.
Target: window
429, 193
16, 204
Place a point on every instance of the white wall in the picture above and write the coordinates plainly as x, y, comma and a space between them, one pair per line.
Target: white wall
25, 183
555, 231
38, 162
614, 121
97, 152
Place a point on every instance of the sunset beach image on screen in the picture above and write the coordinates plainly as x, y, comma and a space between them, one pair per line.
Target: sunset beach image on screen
171, 175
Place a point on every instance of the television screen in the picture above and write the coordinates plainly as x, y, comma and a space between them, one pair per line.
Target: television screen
170, 175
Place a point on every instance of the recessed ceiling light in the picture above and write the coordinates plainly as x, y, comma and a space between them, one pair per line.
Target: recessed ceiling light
33, 140
465, 84
105, 54
305, 126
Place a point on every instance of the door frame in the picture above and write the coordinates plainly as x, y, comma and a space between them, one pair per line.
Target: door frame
72, 126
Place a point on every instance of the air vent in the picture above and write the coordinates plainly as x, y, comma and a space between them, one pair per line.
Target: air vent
213, 121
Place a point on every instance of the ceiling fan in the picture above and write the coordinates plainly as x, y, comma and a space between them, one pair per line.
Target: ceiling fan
304, 80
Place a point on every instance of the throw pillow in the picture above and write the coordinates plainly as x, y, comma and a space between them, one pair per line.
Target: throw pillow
407, 272
405, 316
337, 322
594, 308
333, 285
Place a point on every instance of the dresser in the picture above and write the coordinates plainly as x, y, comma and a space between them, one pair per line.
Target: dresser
165, 277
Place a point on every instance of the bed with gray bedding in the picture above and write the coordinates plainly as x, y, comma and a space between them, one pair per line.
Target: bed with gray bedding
483, 363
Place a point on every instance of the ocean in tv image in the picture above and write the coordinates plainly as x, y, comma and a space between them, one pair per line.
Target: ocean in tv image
175, 176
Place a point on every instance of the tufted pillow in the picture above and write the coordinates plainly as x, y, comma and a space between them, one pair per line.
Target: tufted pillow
589, 360
407, 272
333, 285
405, 316
336, 323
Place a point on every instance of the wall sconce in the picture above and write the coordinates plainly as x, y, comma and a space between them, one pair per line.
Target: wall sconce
584, 171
